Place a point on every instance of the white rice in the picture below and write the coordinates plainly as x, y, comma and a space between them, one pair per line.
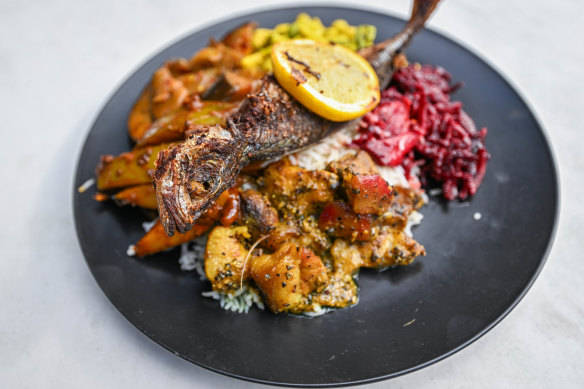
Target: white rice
435, 192
131, 251
240, 301
86, 185
192, 256
329, 149
414, 219
394, 175
335, 147
318, 311
147, 226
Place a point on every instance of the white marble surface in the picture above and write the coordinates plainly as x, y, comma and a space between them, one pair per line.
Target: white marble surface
60, 60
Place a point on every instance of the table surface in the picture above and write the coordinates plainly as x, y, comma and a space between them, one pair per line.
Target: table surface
61, 60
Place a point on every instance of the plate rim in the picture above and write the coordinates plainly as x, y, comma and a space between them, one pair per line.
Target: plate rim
346, 7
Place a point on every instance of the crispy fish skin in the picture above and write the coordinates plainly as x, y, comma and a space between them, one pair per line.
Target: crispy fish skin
268, 124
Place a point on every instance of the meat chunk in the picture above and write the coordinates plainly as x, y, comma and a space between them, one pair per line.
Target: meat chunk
284, 232
358, 163
368, 194
299, 191
225, 256
389, 248
341, 291
287, 277
257, 213
403, 203
347, 259
366, 191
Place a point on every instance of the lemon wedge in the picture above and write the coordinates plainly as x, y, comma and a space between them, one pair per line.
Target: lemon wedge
330, 80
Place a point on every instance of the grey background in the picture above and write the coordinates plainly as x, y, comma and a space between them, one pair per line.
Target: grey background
59, 62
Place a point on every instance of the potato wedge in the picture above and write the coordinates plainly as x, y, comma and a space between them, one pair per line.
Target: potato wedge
140, 195
172, 127
225, 211
127, 169
140, 118
240, 38
156, 239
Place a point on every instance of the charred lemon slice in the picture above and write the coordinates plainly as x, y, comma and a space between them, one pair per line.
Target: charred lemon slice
330, 80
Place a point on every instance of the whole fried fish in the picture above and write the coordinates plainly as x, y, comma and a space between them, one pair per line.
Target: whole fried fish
268, 124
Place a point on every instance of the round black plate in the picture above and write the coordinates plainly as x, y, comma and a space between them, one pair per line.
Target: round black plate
474, 274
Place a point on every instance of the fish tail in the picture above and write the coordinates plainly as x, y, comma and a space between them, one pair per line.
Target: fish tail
381, 55
421, 11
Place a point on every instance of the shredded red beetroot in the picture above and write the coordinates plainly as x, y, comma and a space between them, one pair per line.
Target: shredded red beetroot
416, 124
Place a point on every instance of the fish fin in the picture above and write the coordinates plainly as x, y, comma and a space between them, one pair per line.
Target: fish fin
421, 11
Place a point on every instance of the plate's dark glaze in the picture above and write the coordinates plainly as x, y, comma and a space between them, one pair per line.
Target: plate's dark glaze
474, 274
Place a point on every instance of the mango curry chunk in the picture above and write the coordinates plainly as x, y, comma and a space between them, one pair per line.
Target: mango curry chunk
366, 191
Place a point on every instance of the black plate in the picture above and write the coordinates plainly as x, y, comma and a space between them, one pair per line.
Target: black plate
475, 272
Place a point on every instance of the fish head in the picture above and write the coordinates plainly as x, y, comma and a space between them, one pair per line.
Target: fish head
190, 176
